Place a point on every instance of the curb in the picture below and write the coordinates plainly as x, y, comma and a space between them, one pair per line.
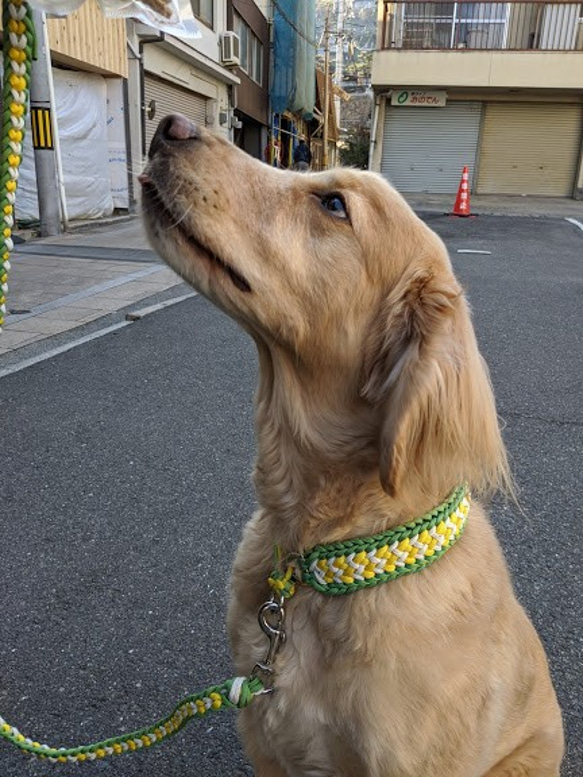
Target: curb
30, 234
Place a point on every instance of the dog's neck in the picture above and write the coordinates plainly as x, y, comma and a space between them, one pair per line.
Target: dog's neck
316, 473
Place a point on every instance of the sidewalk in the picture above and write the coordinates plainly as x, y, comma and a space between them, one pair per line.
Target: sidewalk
59, 284
500, 205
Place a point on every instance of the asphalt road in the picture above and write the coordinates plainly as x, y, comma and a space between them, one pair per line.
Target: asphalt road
125, 483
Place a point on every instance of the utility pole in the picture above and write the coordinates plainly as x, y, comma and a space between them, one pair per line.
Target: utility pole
326, 87
339, 66
42, 121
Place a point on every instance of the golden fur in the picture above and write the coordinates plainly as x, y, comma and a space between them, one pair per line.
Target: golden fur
373, 404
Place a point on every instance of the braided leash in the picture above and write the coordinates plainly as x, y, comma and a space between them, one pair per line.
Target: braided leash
232, 694
335, 569
18, 52
19, 45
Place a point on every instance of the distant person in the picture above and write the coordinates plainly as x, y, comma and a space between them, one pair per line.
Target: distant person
302, 156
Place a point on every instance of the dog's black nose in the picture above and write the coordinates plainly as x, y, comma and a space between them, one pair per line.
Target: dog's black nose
173, 128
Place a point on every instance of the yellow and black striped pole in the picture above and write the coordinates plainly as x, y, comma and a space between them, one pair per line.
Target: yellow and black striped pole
42, 127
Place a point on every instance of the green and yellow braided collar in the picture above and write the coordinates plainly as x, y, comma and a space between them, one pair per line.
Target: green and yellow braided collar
345, 567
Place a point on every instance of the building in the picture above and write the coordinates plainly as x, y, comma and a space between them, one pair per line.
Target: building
192, 76
494, 86
251, 104
116, 78
293, 84
89, 74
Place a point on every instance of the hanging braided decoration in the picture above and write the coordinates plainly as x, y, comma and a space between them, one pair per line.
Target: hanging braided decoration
18, 52
236, 693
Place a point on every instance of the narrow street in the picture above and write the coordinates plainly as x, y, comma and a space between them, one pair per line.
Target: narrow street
126, 482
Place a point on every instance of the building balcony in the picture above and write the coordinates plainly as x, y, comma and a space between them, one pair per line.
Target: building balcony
513, 45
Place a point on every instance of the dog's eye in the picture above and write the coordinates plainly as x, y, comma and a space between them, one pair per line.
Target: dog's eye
335, 205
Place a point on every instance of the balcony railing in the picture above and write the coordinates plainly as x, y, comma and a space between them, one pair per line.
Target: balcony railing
514, 26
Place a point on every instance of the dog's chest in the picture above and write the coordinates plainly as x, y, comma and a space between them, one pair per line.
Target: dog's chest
298, 720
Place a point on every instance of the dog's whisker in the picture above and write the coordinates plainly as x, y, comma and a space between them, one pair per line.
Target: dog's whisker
179, 220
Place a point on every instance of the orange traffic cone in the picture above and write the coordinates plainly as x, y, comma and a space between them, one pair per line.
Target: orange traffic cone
462, 201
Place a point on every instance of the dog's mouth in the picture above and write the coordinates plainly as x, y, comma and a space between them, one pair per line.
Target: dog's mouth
163, 214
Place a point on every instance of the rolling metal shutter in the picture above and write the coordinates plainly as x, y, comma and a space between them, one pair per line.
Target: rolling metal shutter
425, 149
530, 148
170, 98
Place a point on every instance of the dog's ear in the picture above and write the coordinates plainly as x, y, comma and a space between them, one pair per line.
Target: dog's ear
422, 370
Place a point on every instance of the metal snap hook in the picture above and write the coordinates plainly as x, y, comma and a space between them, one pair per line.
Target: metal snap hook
273, 629
271, 618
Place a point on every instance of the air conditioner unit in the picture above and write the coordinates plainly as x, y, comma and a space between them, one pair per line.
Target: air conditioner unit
230, 48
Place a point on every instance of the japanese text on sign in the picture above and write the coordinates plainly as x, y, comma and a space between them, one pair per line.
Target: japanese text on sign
418, 97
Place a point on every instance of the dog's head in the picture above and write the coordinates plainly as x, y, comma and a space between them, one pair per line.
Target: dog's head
336, 275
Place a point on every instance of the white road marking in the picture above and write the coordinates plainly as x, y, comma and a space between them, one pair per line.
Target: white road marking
161, 305
575, 222
61, 349
472, 251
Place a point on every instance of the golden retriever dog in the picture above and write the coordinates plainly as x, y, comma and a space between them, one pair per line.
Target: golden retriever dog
373, 405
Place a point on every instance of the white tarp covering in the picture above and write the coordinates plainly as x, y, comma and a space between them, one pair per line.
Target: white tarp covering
116, 143
173, 16
81, 105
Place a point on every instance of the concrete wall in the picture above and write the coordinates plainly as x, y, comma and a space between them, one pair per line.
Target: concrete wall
166, 65
252, 98
490, 69
208, 43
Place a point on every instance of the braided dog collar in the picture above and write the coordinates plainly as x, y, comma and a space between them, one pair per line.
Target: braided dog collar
345, 567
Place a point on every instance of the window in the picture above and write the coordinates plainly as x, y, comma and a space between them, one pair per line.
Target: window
473, 25
251, 50
256, 60
203, 10
242, 31
480, 25
427, 26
